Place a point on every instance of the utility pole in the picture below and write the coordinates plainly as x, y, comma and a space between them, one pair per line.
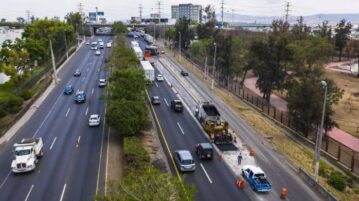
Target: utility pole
28, 16
222, 7
287, 11
140, 8
159, 18
318, 143
82, 19
67, 51
205, 68
179, 46
53, 63
214, 65
96, 13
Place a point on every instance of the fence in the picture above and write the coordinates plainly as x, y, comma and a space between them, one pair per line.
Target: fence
343, 154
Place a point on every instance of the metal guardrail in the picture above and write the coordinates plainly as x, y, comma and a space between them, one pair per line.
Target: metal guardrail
311, 181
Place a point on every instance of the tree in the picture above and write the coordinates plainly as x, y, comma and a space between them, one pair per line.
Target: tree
325, 30
342, 31
352, 49
210, 13
183, 29
119, 27
310, 54
75, 19
149, 185
305, 102
300, 31
206, 30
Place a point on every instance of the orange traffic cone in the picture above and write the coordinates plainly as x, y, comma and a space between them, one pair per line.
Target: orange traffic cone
240, 183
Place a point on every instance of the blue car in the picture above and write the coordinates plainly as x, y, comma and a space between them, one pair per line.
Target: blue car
80, 97
68, 90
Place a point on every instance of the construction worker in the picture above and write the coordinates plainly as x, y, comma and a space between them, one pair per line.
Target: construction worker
239, 158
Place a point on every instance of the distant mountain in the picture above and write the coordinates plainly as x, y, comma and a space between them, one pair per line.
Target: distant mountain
311, 20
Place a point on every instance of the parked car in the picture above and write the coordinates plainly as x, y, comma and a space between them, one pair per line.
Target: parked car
80, 97
159, 78
94, 120
69, 89
98, 53
204, 151
184, 73
77, 73
155, 100
184, 161
177, 105
102, 82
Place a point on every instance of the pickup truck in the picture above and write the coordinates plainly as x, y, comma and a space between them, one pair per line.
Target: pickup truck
256, 178
26, 153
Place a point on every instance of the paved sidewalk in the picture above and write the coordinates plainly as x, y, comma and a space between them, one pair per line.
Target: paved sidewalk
337, 134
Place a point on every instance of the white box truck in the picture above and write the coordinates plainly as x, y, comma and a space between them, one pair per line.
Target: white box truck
138, 52
26, 153
149, 71
134, 44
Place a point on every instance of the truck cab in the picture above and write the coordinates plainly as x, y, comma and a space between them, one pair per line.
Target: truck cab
26, 153
256, 178
177, 105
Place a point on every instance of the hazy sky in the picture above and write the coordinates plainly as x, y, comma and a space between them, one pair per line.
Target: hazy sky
123, 9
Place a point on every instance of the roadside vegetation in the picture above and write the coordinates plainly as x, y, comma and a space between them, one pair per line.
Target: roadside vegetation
127, 113
289, 62
27, 62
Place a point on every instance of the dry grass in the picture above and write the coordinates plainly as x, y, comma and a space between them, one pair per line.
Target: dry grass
298, 155
346, 112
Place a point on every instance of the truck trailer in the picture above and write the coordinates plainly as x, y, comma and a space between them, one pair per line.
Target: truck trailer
148, 70
138, 52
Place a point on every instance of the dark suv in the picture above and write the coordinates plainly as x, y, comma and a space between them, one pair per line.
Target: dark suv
177, 105
204, 151
184, 73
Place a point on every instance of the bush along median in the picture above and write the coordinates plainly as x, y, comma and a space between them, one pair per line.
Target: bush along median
127, 114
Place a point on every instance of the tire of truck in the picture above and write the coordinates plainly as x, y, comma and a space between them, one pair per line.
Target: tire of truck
41, 154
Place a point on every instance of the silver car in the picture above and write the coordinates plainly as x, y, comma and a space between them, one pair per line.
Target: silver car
184, 161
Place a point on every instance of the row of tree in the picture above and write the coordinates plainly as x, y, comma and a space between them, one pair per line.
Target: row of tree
127, 114
287, 58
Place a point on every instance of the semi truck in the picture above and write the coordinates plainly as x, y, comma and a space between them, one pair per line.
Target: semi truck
256, 178
26, 153
210, 119
148, 70
138, 52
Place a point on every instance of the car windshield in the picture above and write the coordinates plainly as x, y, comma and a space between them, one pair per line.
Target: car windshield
187, 162
22, 152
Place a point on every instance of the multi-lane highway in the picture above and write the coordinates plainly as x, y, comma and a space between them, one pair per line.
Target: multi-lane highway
73, 162
214, 179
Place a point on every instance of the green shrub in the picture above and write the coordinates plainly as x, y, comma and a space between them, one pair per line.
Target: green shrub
324, 169
11, 103
25, 94
337, 180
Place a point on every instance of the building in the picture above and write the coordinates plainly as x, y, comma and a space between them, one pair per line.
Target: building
97, 17
190, 11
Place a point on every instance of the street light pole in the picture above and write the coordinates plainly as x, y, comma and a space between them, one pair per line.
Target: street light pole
214, 64
179, 46
53, 63
318, 143
67, 52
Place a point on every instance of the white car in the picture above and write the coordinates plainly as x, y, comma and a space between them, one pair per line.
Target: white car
87, 42
94, 120
159, 78
102, 82
98, 53
109, 45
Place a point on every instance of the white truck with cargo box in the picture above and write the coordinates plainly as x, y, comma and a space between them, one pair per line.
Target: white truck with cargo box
138, 52
26, 153
148, 70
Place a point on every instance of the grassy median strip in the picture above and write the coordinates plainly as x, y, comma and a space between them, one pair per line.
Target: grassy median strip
298, 155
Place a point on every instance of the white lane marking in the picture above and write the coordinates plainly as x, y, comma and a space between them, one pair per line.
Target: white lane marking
93, 89
179, 126
28, 194
67, 113
166, 102
7, 176
47, 116
83, 79
63, 193
53, 142
205, 172
78, 141
87, 110
156, 84
108, 144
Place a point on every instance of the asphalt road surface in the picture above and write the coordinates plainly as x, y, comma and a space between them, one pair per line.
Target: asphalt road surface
69, 169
